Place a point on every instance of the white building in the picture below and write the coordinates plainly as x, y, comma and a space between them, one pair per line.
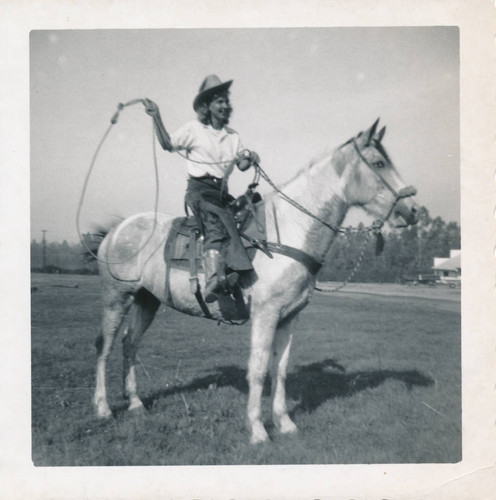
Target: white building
449, 268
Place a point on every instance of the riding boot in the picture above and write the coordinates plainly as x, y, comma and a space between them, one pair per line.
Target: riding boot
214, 274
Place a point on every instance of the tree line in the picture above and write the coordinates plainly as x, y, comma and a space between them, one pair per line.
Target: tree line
63, 258
407, 251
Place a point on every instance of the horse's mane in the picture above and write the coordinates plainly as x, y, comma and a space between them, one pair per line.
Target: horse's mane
326, 155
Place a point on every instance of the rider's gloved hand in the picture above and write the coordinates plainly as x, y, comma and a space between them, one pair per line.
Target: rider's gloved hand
150, 107
377, 225
255, 159
246, 159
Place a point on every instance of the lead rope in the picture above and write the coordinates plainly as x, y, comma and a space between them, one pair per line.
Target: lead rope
337, 229
374, 228
353, 271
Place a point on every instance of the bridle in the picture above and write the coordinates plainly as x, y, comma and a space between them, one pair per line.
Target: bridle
376, 226
405, 192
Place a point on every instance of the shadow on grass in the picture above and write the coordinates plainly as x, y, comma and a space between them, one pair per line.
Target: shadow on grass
310, 385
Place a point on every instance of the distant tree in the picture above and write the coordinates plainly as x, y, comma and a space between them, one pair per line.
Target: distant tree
407, 251
36, 255
61, 257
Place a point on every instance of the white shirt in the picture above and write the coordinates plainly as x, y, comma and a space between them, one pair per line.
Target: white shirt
208, 151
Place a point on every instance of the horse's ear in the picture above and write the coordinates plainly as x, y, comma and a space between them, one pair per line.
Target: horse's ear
372, 131
380, 135
363, 139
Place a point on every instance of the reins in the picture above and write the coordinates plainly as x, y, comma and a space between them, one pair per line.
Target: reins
403, 193
301, 208
373, 229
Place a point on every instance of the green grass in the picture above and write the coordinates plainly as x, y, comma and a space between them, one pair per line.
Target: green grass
372, 379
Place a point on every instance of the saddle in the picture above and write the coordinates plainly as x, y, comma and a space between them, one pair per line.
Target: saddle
184, 247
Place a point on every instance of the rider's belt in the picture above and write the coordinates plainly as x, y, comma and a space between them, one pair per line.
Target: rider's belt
207, 177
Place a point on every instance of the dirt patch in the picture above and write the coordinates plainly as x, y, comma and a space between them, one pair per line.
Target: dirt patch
441, 292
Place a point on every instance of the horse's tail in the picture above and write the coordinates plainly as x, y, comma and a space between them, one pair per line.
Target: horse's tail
91, 241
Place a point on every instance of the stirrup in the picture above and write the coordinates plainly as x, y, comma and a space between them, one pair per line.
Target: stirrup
213, 294
225, 288
232, 280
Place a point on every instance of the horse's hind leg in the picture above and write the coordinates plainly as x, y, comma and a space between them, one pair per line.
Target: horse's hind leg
278, 367
115, 308
144, 308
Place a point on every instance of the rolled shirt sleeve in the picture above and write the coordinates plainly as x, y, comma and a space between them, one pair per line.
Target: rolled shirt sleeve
182, 139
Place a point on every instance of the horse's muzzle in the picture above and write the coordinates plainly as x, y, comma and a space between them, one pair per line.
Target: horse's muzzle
407, 192
406, 208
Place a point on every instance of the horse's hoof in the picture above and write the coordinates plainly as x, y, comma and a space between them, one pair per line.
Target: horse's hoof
287, 426
259, 436
258, 440
137, 410
104, 413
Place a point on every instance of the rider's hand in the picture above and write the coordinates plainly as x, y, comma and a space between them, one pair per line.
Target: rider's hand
150, 107
255, 159
377, 225
246, 159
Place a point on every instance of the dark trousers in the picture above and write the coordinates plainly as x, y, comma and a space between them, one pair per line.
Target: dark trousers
215, 233
209, 203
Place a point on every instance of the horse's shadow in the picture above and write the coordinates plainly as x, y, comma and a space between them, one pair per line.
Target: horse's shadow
309, 385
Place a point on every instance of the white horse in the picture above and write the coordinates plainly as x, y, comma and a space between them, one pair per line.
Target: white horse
133, 270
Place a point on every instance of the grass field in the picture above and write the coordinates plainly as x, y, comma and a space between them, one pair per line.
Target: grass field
374, 377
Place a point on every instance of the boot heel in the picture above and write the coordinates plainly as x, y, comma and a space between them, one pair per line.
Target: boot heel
232, 280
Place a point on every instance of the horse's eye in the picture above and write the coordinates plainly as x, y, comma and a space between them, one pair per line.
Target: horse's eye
378, 164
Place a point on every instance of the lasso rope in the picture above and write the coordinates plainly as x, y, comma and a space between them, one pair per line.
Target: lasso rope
259, 172
186, 157
113, 121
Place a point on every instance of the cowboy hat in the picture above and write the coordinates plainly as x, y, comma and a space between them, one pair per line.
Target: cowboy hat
210, 86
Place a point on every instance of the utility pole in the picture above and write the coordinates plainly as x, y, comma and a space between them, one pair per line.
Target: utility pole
420, 251
44, 231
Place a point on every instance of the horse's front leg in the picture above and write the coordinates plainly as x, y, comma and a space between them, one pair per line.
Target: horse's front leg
262, 334
281, 347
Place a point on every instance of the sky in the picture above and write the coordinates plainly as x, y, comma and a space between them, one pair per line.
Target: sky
296, 92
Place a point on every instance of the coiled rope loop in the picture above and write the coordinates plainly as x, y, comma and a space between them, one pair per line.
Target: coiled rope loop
113, 121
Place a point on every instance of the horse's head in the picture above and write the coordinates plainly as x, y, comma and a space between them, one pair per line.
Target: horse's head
373, 182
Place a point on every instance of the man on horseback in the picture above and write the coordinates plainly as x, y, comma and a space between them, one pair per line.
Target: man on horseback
212, 150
